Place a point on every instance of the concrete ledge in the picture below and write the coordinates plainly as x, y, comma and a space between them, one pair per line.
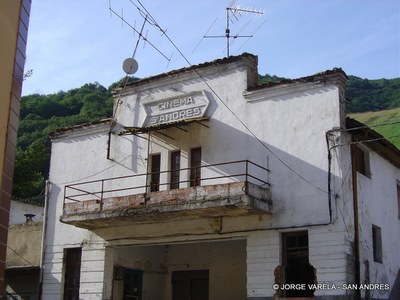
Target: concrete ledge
230, 199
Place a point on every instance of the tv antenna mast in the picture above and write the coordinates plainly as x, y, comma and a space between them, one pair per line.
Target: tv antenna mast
130, 65
233, 11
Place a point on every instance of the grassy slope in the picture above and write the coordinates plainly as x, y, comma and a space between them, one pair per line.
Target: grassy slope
374, 119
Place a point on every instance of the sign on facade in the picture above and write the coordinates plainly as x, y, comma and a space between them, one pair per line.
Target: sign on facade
174, 109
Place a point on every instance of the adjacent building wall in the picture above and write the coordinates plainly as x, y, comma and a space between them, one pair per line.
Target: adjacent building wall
19, 209
24, 247
378, 205
14, 19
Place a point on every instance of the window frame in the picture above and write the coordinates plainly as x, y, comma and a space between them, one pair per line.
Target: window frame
195, 166
362, 161
377, 243
154, 185
175, 168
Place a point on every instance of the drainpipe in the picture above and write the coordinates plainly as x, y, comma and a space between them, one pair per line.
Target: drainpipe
109, 145
356, 223
44, 228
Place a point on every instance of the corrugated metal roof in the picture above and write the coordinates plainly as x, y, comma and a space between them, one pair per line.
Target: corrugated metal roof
61, 131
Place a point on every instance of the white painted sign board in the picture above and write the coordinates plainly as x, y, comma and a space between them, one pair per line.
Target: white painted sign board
174, 109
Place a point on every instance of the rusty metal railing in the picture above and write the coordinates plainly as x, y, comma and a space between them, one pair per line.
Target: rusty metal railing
235, 171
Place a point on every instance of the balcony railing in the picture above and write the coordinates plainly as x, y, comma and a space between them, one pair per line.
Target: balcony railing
213, 174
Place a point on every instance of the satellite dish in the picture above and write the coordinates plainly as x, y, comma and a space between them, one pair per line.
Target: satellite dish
130, 66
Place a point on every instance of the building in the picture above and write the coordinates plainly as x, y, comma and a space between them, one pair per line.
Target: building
14, 20
206, 185
24, 249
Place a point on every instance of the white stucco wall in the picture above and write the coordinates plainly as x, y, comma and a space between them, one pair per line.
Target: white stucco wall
19, 209
378, 206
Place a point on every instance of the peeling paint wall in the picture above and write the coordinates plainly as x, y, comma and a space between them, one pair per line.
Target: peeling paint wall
24, 244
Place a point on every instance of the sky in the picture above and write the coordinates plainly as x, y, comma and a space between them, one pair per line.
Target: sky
74, 42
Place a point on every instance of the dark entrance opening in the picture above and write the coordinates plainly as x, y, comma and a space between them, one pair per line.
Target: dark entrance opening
190, 285
133, 282
72, 264
297, 268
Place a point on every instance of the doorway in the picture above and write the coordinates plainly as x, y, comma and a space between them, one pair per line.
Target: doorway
297, 268
190, 285
133, 282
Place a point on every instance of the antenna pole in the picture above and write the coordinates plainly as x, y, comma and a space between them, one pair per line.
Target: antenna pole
227, 31
233, 11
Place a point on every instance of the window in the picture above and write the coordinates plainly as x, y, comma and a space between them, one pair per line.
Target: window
175, 169
297, 269
377, 243
72, 265
195, 167
398, 199
361, 159
155, 162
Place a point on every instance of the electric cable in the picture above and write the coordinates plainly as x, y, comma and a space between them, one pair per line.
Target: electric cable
372, 126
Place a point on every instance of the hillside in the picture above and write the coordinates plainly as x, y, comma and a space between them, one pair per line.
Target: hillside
385, 122
41, 114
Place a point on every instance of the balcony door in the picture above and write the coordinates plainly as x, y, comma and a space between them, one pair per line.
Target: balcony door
195, 164
155, 167
175, 169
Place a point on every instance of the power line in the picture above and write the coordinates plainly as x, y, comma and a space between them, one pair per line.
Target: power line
372, 140
372, 126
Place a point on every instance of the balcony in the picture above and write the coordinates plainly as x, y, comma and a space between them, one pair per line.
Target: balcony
232, 189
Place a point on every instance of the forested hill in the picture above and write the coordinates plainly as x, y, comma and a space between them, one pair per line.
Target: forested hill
41, 114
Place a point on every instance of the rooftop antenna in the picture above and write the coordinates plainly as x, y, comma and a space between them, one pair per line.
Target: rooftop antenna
234, 12
147, 20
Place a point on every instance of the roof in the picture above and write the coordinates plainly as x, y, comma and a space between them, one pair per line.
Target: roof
376, 142
173, 73
61, 131
318, 77
37, 201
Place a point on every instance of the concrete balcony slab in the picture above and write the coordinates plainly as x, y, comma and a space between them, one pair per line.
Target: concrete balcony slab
219, 200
